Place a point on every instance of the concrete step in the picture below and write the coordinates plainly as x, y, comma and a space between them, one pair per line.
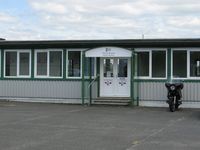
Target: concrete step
115, 98
113, 104
112, 101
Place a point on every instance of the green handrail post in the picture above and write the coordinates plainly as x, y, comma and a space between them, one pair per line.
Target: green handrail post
98, 74
90, 72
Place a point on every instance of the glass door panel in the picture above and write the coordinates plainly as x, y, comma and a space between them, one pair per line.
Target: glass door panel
108, 67
122, 67
122, 86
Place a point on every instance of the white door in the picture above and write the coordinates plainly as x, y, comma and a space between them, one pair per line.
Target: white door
115, 77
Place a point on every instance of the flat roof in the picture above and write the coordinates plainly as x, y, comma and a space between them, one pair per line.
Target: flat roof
126, 43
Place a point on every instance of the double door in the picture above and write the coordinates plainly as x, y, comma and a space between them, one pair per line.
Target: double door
115, 77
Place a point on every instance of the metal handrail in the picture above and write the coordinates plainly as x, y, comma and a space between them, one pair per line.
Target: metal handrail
91, 83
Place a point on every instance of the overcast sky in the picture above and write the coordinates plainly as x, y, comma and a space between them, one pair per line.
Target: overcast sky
99, 19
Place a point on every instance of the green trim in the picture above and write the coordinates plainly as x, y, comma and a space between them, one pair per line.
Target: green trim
43, 79
169, 59
32, 63
83, 78
165, 80
79, 80
191, 80
135, 82
132, 79
64, 63
150, 80
128, 43
2, 63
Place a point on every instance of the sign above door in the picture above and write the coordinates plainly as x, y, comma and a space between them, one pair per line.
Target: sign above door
108, 52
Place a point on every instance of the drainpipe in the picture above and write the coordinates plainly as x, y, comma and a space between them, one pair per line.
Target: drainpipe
132, 79
83, 78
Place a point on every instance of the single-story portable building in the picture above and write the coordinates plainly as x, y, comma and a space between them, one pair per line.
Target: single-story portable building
99, 71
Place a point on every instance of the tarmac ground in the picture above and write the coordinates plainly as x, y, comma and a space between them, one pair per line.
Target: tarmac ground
37, 126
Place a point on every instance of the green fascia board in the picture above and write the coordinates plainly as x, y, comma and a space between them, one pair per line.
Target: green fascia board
126, 43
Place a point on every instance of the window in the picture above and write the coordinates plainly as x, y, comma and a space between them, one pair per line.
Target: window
158, 64
179, 64
143, 64
151, 63
17, 63
194, 64
74, 64
49, 63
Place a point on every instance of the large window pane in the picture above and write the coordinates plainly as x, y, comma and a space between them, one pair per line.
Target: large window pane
55, 67
11, 63
24, 64
195, 64
143, 63
42, 63
158, 64
74, 59
179, 64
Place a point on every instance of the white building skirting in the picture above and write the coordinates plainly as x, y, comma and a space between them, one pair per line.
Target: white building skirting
43, 100
164, 104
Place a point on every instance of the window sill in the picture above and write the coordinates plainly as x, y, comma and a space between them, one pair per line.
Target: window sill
11, 77
148, 78
46, 77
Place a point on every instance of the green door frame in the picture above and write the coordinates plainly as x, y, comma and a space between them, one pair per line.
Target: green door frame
134, 82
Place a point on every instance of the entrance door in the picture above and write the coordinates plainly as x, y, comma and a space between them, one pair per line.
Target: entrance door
115, 77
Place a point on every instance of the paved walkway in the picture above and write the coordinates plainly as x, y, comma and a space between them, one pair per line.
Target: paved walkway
32, 126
